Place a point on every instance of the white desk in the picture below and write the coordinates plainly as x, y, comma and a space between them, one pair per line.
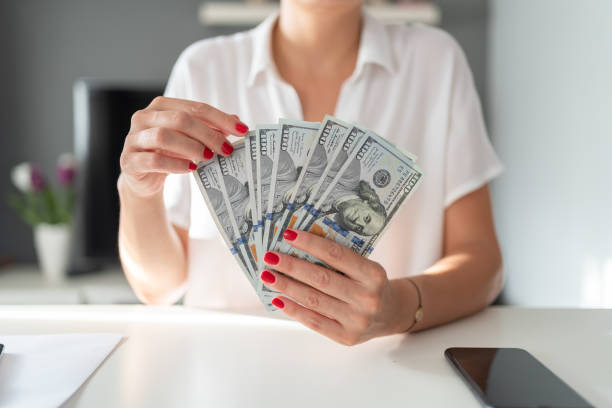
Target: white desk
177, 357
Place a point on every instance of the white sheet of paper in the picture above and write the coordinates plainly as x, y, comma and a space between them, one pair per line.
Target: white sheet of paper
44, 371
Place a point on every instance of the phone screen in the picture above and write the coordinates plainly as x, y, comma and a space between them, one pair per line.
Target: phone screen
511, 377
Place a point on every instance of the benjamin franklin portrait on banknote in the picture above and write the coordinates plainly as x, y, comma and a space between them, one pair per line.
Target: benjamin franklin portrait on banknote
286, 177
264, 180
315, 170
219, 208
354, 204
238, 194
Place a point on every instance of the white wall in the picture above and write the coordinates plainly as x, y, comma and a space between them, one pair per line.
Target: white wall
550, 106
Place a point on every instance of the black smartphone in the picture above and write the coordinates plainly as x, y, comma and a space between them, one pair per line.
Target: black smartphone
1, 347
511, 377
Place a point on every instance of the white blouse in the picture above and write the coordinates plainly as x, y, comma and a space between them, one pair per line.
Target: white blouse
411, 84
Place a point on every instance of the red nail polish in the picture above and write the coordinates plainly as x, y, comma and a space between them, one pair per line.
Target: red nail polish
192, 166
271, 258
289, 235
208, 154
241, 127
278, 303
267, 277
227, 148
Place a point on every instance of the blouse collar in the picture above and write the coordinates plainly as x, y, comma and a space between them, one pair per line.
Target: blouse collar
374, 47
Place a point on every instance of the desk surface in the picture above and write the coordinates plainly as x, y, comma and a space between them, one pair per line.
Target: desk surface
179, 357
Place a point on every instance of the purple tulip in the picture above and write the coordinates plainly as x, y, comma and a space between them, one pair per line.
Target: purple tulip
66, 169
38, 180
65, 176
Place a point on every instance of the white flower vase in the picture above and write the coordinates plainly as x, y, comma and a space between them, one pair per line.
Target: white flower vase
52, 244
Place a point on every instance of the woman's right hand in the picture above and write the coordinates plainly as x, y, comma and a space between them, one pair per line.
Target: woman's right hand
170, 135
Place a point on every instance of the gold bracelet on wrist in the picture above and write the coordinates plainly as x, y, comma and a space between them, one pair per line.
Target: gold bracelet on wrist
418, 315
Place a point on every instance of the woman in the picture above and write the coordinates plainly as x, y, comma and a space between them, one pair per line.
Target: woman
439, 259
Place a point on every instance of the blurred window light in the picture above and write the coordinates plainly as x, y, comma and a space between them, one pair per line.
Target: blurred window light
597, 283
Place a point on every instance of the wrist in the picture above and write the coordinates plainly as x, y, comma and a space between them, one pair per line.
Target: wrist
407, 302
127, 190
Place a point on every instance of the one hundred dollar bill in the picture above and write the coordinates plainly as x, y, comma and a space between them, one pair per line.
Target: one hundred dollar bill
209, 180
267, 139
328, 140
294, 142
250, 158
296, 139
364, 196
353, 139
236, 190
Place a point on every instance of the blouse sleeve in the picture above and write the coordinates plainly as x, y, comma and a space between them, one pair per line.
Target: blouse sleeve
471, 161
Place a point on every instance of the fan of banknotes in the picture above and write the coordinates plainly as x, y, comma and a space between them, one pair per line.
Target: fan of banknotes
335, 179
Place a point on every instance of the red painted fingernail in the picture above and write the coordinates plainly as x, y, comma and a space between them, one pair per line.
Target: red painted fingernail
290, 235
271, 258
241, 127
278, 303
227, 148
267, 277
192, 166
208, 154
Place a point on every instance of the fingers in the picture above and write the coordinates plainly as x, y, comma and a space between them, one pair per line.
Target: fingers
184, 123
305, 295
318, 277
315, 321
152, 162
170, 142
336, 256
228, 124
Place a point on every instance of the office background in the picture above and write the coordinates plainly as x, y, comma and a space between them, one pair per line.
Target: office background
542, 69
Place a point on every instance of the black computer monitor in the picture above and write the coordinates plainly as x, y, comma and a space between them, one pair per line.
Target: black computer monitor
102, 112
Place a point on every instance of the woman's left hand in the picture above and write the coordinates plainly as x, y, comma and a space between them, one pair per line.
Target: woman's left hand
349, 309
